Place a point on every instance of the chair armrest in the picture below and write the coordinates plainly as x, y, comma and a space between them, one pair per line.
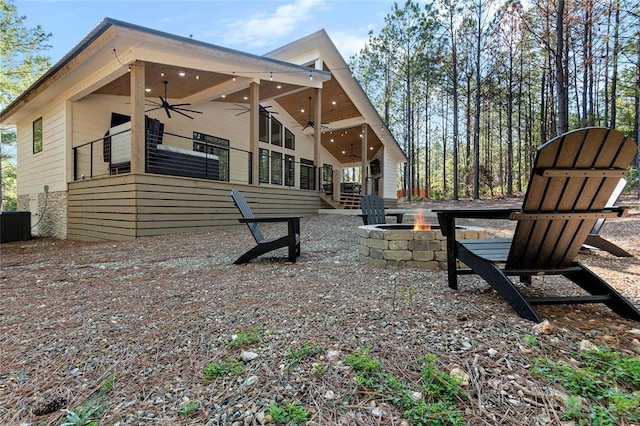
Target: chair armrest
269, 219
477, 213
447, 217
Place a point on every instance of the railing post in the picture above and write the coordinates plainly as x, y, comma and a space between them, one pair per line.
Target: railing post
75, 163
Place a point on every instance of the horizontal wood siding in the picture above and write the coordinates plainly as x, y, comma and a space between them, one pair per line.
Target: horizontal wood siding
102, 208
129, 206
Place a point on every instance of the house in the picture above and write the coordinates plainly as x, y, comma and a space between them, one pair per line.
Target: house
137, 132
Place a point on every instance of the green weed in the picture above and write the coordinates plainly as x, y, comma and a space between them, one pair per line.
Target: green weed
246, 338
87, 414
603, 386
442, 390
296, 355
189, 408
290, 413
228, 367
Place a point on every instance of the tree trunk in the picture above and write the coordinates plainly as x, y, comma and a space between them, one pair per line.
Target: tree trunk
561, 73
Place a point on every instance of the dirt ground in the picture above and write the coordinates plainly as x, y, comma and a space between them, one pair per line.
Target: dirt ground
132, 326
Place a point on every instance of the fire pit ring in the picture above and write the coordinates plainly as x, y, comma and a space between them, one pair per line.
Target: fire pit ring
400, 245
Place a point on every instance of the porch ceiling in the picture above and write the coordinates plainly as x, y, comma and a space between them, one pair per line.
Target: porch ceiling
339, 134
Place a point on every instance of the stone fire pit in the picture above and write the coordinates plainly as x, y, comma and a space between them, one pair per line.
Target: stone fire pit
401, 245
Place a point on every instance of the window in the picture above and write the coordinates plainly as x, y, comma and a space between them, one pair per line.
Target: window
263, 172
215, 146
37, 135
276, 132
289, 139
263, 125
307, 180
276, 168
289, 170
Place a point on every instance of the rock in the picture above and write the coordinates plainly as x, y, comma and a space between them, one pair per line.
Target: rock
586, 345
544, 328
461, 375
329, 395
334, 355
248, 356
250, 381
492, 352
416, 396
635, 331
376, 411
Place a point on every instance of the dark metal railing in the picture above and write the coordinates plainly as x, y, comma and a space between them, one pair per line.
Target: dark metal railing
175, 155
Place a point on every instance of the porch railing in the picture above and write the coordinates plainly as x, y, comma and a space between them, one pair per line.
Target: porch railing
176, 155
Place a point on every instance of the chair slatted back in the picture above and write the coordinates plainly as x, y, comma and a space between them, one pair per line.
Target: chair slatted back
246, 213
574, 173
373, 207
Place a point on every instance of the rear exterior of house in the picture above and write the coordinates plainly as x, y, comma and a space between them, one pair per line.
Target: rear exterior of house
137, 132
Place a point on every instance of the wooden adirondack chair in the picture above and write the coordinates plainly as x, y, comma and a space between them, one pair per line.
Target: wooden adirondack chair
373, 212
265, 245
573, 178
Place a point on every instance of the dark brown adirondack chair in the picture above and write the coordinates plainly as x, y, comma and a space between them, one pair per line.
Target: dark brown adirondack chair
594, 239
373, 212
265, 245
573, 178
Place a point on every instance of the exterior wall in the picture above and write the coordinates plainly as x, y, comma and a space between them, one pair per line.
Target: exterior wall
47, 167
129, 206
52, 215
390, 174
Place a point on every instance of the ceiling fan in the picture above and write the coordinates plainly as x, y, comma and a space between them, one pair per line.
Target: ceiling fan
244, 109
168, 107
310, 122
353, 155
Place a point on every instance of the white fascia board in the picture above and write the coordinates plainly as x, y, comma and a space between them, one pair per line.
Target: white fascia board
224, 62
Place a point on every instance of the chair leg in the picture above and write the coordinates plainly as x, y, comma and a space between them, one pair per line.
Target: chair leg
500, 282
595, 285
606, 245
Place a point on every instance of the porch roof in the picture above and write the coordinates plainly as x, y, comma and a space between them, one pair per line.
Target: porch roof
127, 42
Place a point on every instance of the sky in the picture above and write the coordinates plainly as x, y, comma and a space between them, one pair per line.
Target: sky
251, 26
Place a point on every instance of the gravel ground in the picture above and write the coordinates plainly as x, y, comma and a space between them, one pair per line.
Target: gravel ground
148, 316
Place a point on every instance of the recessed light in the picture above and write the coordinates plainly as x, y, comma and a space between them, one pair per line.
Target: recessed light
279, 86
332, 140
182, 73
147, 90
245, 98
370, 148
344, 152
224, 96
333, 102
301, 109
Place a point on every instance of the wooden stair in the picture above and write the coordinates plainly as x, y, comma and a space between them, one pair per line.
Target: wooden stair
347, 201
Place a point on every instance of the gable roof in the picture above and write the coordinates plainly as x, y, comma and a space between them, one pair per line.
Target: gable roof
112, 36
318, 48
99, 64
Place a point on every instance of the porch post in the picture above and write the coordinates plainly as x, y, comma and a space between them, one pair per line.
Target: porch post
137, 84
254, 130
337, 180
363, 155
317, 137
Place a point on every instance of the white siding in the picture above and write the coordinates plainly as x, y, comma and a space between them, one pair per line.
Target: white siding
48, 166
390, 173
